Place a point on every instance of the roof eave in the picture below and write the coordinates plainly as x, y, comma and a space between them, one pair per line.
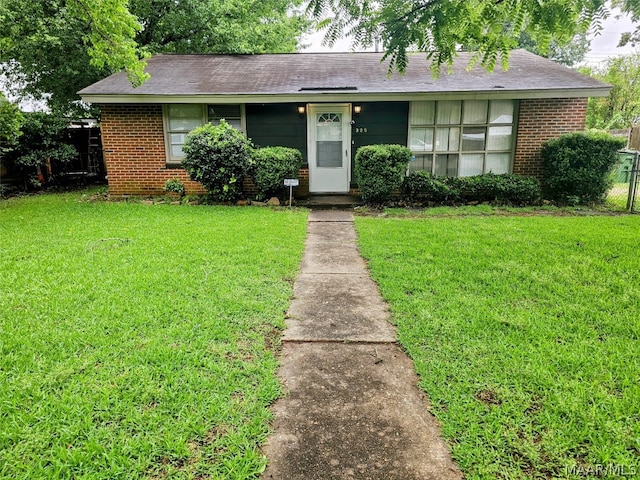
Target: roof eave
344, 96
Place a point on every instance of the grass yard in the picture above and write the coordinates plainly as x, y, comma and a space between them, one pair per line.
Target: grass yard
526, 334
139, 341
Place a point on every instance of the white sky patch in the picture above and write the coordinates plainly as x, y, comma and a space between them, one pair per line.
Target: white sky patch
605, 45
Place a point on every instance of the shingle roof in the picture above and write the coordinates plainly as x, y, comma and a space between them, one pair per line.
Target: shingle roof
304, 75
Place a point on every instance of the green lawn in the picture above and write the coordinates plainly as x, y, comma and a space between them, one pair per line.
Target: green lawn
140, 341
526, 334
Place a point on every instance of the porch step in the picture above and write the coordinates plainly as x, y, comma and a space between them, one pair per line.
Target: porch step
338, 202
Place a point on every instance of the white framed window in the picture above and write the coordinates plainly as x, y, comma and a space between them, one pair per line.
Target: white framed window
180, 119
462, 137
233, 114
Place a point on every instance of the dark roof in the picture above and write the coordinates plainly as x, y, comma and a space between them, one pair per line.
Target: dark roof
301, 75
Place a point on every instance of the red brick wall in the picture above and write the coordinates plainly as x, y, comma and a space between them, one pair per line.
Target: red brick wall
541, 120
133, 142
134, 150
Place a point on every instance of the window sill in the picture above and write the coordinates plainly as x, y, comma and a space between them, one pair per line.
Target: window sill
173, 166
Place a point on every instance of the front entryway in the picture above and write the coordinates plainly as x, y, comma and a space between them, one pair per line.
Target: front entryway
329, 147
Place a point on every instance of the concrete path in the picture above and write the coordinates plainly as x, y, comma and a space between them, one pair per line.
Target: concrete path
352, 409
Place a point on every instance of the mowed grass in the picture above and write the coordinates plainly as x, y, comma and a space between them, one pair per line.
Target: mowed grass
139, 341
526, 334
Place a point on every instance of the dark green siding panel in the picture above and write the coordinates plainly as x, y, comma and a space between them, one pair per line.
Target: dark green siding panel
382, 122
277, 125
281, 125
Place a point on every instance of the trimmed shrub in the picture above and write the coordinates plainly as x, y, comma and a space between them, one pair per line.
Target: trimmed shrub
379, 170
271, 165
504, 188
577, 166
423, 187
218, 156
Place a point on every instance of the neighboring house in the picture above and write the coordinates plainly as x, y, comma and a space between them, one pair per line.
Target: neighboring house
329, 104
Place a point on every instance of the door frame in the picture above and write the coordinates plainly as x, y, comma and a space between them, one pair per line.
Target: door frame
312, 109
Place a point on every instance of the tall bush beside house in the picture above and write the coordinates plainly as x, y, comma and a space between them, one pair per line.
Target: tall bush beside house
270, 166
43, 150
219, 157
379, 170
576, 166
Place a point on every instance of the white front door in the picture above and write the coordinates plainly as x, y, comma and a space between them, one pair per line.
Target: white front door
329, 147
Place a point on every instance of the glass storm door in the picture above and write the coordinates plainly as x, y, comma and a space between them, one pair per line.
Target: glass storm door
329, 137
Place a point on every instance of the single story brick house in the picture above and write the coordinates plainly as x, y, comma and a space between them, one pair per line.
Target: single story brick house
327, 105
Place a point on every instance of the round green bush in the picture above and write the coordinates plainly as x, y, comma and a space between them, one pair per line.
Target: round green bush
270, 167
379, 170
577, 166
219, 157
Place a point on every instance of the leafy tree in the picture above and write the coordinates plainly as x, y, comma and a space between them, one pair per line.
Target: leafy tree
40, 38
569, 54
440, 27
43, 149
53, 48
622, 107
11, 119
630, 7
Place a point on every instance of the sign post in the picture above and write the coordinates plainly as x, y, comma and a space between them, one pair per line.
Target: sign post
291, 182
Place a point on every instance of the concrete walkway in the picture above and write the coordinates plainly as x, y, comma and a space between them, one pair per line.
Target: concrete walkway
352, 408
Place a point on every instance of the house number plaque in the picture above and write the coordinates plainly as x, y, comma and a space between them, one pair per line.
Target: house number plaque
361, 130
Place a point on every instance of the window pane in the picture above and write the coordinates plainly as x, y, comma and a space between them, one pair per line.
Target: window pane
501, 111
329, 154
422, 113
446, 165
473, 138
448, 112
421, 139
235, 123
499, 138
475, 111
176, 150
184, 118
498, 163
216, 112
471, 164
422, 162
329, 126
447, 139
178, 138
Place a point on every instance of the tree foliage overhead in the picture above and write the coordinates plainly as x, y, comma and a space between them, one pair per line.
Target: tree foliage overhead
440, 27
632, 8
11, 119
569, 54
53, 48
621, 108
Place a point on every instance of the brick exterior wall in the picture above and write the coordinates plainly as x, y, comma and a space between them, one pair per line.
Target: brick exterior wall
134, 148
133, 142
541, 120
